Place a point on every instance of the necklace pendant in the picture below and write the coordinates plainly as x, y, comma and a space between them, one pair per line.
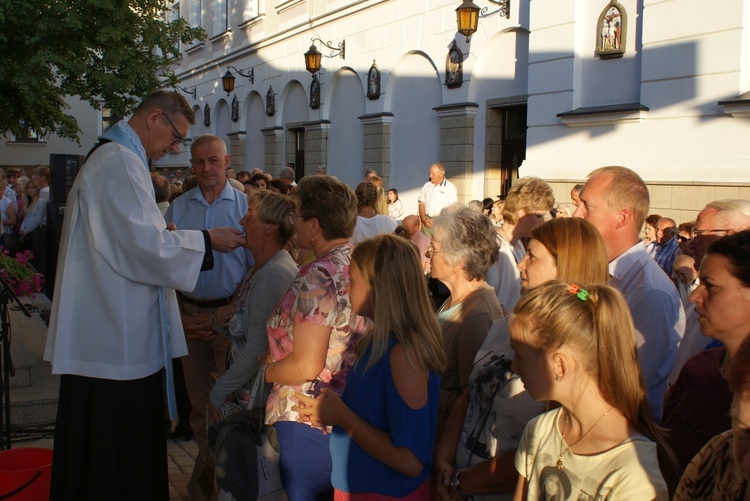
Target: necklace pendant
559, 464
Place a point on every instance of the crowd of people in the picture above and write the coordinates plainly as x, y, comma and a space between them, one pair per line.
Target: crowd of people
499, 350
23, 212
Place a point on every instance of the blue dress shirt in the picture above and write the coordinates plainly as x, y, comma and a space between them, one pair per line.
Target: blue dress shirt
191, 211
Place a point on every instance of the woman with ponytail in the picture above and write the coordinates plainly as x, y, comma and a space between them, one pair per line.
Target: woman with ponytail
474, 456
576, 346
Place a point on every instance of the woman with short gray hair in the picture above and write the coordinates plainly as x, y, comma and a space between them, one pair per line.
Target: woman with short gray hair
268, 226
462, 249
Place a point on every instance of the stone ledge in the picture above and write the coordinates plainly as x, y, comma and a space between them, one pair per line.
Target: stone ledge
604, 115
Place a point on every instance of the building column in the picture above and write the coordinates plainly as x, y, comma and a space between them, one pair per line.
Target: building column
316, 145
457, 145
272, 146
377, 144
237, 150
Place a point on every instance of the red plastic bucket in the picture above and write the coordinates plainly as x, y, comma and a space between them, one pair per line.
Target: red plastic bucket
25, 474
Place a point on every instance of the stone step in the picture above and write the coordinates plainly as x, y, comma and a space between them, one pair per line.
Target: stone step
35, 404
34, 390
22, 377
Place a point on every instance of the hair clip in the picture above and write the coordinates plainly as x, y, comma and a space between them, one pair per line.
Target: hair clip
582, 294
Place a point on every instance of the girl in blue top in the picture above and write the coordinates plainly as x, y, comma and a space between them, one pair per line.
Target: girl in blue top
384, 423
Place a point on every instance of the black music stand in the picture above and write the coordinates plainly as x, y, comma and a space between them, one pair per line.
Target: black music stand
8, 371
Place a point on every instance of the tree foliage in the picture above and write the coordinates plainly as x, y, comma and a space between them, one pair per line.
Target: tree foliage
111, 53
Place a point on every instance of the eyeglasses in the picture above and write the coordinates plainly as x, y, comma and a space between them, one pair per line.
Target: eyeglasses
180, 137
696, 234
432, 250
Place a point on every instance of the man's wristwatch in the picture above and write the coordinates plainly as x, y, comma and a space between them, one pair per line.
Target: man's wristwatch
456, 483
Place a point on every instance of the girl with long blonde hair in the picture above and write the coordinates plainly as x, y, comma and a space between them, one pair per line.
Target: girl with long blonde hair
395, 384
576, 346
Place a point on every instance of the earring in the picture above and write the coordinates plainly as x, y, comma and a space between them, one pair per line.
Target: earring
558, 378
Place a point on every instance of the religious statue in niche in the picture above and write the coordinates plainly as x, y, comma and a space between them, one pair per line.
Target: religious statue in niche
373, 82
610, 31
315, 93
235, 109
206, 115
454, 67
270, 102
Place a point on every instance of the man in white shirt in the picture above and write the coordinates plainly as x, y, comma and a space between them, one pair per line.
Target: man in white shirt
115, 322
616, 201
437, 194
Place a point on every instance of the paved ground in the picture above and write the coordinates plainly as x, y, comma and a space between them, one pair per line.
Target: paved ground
180, 457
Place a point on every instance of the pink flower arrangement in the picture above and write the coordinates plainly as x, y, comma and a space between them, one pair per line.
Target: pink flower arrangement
20, 275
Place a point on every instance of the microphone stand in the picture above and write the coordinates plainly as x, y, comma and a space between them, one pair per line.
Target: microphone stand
8, 371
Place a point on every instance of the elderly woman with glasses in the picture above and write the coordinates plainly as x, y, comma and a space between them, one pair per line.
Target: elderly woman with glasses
312, 332
462, 249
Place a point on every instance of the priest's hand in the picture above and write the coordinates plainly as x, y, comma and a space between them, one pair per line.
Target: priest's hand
226, 239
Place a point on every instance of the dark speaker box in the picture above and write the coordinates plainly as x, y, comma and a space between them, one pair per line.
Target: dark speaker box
64, 169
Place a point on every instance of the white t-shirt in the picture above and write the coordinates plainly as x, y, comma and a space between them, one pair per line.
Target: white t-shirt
368, 227
396, 210
499, 406
627, 471
504, 276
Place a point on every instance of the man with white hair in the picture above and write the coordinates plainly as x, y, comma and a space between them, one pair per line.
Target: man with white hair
287, 176
616, 201
717, 219
437, 194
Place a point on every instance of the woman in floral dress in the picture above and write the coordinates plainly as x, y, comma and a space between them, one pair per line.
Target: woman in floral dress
312, 333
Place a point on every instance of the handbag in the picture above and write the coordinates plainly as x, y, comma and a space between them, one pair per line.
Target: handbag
11, 243
240, 446
27, 242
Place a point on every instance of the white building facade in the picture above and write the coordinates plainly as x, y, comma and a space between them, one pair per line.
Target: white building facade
538, 95
26, 152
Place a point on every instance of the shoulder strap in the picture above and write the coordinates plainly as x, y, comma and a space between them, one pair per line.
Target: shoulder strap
258, 383
96, 146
